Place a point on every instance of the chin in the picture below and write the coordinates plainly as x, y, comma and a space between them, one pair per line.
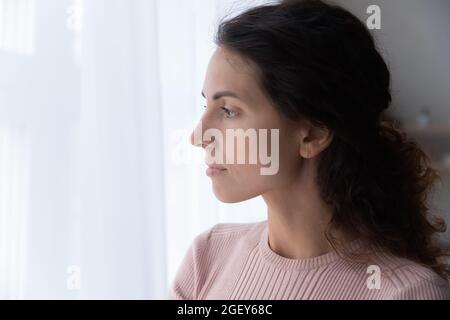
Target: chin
232, 196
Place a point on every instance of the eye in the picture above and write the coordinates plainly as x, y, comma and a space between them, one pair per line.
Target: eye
229, 113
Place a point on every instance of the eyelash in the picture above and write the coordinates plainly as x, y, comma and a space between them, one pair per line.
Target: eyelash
227, 112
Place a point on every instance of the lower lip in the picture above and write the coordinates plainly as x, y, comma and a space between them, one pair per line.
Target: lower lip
210, 172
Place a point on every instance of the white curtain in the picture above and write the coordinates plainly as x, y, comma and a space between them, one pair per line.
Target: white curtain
100, 191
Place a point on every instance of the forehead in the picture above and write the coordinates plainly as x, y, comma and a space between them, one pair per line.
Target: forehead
228, 71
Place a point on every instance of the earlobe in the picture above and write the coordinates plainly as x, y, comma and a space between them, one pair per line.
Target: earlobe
302, 144
305, 149
305, 141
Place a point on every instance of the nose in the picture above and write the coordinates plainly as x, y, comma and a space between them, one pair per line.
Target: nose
197, 137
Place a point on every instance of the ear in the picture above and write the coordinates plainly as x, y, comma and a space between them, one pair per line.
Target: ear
313, 140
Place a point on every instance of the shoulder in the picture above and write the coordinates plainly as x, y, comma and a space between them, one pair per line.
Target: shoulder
410, 280
224, 230
209, 250
224, 238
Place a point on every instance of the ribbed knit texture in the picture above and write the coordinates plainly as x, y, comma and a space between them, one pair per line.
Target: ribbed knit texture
235, 261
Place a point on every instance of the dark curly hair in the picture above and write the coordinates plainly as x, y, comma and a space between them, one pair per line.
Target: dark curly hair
317, 61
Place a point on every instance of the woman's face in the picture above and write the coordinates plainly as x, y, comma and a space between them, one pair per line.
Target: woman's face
234, 100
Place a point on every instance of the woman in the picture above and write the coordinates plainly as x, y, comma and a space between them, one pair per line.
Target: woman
346, 210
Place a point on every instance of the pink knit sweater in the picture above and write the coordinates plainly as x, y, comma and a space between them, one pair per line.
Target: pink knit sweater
235, 261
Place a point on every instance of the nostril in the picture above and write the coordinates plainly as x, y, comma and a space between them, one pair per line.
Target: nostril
206, 143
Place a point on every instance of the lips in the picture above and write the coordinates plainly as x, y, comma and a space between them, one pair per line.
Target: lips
214, 170
217, 167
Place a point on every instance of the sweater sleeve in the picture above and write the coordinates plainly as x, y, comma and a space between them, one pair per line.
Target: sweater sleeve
426, 289
185, 284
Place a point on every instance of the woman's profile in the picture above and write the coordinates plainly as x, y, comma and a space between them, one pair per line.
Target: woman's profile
347, 214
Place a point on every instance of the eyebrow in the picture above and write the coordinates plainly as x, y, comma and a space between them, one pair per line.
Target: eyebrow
221, 94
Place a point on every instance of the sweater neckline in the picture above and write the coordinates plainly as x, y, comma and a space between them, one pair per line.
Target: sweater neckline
307, 263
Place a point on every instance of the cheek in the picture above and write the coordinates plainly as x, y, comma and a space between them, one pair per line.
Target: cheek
245, 181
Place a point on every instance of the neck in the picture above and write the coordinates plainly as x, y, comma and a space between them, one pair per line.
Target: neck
298, 219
